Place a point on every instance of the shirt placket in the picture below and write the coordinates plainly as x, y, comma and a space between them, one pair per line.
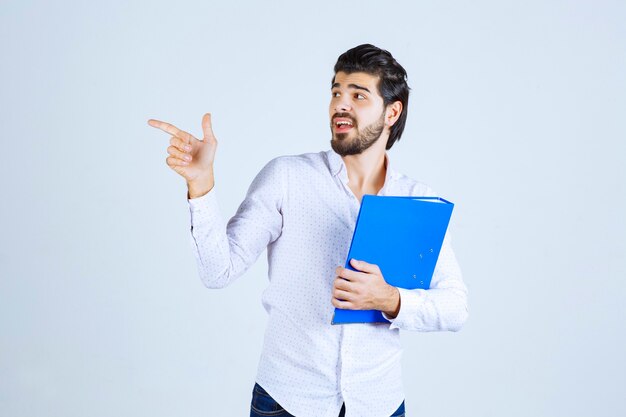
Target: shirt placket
347, 334
347, 360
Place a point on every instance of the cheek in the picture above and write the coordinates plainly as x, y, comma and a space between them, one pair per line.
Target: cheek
331, 109
368, 111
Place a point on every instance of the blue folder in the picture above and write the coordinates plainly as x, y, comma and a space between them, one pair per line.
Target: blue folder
403, 236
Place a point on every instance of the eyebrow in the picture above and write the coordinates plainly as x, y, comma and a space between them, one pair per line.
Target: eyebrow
354, 86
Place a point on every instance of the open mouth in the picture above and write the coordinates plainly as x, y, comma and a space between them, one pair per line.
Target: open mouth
341, 124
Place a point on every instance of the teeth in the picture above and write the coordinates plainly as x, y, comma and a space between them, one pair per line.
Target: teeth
344, 123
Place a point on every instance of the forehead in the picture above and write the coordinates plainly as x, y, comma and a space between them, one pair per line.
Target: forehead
362, 79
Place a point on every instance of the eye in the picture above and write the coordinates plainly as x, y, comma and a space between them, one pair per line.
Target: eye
335, 94
359, 96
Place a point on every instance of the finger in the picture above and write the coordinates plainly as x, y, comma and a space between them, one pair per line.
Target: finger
171, 129
346, 305
183, 156
342, 284
349, 274
343, 295
180, 144
364, 266
175, 162
207, 127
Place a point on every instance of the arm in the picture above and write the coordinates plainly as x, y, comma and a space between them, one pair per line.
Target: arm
443, 306
224, 252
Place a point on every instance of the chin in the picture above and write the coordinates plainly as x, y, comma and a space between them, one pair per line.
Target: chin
343, 148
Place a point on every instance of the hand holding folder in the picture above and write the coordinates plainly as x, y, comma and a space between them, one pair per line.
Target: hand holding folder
403, 236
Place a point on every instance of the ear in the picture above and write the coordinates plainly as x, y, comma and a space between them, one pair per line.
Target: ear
392, 113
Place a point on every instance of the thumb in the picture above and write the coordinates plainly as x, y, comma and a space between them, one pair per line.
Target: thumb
207, 127
364, 266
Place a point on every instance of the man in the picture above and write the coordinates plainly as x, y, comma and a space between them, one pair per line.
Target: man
303, 209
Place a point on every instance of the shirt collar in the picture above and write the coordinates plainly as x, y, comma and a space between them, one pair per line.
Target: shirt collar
338, 167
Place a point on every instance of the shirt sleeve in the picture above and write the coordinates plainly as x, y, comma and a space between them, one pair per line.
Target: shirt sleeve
224, 252
443, 306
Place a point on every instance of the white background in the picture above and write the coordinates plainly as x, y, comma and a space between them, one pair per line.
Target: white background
517, 115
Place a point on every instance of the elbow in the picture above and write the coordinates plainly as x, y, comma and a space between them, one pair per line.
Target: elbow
215, 282
214, 285
458, 320
459, 315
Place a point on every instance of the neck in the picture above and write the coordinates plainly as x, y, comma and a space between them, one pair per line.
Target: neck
367, 170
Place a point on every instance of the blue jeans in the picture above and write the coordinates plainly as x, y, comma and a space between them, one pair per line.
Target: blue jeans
264, 405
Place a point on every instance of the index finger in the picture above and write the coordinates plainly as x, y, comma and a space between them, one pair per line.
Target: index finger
171, 129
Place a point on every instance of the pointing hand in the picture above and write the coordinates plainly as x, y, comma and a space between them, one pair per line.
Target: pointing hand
190, 157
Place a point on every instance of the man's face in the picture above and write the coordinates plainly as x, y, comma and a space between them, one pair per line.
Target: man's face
357, 113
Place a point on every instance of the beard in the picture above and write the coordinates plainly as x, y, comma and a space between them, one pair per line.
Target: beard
363, 140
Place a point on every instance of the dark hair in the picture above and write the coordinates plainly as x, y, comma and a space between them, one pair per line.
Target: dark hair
392, 84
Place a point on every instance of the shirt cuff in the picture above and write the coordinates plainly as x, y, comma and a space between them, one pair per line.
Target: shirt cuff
410, 301
204, 209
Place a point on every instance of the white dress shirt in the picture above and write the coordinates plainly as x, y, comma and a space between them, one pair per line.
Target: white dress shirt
301, 209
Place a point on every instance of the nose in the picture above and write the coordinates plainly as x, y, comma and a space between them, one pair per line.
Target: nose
342, 105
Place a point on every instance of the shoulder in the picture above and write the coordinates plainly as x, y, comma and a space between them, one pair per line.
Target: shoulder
412, 187
295, 163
